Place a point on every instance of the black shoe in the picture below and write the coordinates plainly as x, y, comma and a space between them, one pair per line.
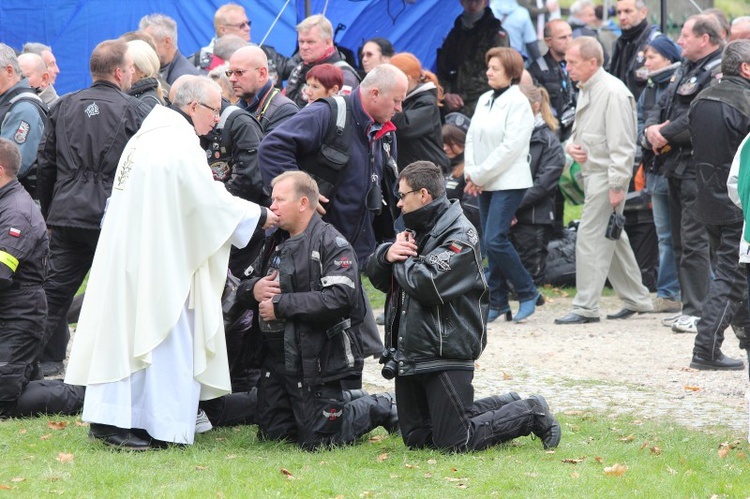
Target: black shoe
546, 427
118, 437
540, 300
624, 313
507, 398
573, 318
721, 363
51, 368
391, 422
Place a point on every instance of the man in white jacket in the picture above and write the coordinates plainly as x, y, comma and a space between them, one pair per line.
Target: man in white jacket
150, 340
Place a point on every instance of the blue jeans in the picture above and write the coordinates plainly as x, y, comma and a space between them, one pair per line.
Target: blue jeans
496, 212
667, 284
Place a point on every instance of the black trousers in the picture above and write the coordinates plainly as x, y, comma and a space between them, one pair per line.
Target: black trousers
40, 397
239, 408
71, 254
313, 416
530, 241
723, 306
438, 410
690, 245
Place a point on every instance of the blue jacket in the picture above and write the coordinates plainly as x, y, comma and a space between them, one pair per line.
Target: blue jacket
302, 135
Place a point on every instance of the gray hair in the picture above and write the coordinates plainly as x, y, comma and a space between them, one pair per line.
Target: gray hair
162, 26
35, 48
740, 20
8, 58
194, 88
734, 55
382, 77
579, 5
706, 24
319, 20
227, 45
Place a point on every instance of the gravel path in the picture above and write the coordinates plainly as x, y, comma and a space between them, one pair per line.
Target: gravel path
634, 366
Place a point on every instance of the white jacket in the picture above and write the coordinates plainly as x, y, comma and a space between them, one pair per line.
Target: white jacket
497, 143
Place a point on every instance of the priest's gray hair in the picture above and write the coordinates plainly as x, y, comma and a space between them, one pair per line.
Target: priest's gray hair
383, 77
192, 89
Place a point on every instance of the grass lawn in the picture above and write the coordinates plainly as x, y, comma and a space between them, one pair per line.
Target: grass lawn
598, 457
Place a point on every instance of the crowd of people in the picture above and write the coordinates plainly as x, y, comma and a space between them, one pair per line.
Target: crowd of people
271, 184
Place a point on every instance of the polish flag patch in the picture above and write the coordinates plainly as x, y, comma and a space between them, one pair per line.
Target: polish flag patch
455, 247
14, 232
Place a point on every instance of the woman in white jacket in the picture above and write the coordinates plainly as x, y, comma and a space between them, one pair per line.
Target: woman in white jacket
497, 165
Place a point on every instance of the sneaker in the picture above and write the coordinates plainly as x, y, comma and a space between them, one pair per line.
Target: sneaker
686, 324
667, 305
202, 424
668, 321
546, 428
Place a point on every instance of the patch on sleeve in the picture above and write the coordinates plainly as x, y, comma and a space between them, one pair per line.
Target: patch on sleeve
22, 133
14, 232
343, 263
472, 235
442, 260
341, 242
455, 247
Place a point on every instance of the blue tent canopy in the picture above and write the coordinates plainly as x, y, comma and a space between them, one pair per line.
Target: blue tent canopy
74, 27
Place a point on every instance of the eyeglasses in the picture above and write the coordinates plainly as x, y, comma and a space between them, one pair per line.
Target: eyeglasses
402, 195
217, 112
239, 72
244, 25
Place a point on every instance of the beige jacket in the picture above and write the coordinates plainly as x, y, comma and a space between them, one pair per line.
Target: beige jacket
605, 126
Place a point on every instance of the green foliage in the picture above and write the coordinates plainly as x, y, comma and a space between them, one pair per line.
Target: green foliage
662, 460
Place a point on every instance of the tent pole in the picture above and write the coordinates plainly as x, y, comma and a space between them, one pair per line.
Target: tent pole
307, 9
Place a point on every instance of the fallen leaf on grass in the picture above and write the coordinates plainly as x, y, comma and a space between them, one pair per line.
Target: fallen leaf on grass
81, 423
506, 376
198, 467
452, 479
432, 461
574, 461
46, 437
288, 474
22, 431
382, 457
461, 486
428, 475
376, 439
692, 388
615, 470
4, 487
723, 452
637, 422
57, 425
598, 459
64, 458
575, 474
454, 470
17, 479
629, 438
410, 466
655, 450
231, 456
671, 470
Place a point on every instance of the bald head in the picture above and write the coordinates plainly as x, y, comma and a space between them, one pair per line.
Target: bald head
248, 68
35, 70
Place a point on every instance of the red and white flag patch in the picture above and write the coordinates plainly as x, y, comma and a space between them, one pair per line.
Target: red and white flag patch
14, 232
455, 247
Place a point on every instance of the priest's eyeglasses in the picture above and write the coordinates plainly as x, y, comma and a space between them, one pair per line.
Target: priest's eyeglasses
217, 112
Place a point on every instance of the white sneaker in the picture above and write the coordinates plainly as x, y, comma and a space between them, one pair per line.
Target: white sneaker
202, 424
686, 324
668, 321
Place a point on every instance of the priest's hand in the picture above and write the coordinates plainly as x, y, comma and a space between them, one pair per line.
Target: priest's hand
266, 311
267, 287
271, 219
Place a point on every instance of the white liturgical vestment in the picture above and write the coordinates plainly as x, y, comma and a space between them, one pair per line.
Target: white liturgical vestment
150, 339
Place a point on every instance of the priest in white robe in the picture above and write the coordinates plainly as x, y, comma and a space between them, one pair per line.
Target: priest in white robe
150, 339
